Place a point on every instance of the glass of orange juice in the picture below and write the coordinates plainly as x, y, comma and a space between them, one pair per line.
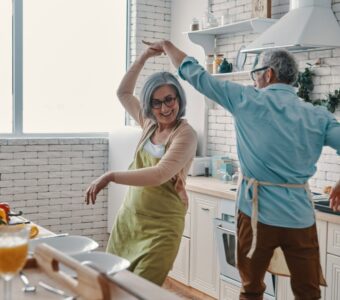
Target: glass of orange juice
13, 254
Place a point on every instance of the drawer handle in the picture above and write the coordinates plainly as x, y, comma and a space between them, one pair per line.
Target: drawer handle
205, 209
225, 229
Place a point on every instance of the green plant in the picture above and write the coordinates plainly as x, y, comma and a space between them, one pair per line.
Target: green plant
333, 100
305, 84
305, 87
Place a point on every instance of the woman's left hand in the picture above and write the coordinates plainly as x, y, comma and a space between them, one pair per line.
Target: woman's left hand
95, 187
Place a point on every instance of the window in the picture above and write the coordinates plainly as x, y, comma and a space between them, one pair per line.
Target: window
73, 56
6, 66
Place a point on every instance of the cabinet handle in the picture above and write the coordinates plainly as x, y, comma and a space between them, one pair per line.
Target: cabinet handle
232, 232
205, 209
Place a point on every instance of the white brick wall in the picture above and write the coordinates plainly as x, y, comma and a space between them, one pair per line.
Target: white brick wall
147, 24
47, 178
150, 21
221, 135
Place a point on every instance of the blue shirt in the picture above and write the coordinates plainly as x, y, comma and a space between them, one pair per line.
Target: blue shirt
279, 139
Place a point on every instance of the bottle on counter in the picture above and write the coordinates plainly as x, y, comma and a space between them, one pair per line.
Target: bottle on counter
209, 63
217, 61
235, 178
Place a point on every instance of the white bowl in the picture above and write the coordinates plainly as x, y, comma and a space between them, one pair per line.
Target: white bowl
69, 245
106, 262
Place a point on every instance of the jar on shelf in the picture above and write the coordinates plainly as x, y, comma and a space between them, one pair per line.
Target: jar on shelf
217, 61
195, 24
209, 63
225, 67
209, 20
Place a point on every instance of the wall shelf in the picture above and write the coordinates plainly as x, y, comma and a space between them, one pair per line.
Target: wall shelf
206, 37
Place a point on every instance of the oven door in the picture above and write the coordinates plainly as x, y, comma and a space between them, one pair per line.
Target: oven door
226, 246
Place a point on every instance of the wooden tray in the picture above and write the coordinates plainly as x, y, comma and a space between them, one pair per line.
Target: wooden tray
89, 284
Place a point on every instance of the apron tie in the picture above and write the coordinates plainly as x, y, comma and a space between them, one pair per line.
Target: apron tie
252, 182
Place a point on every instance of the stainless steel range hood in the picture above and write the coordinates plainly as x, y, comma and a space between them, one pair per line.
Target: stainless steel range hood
309, 25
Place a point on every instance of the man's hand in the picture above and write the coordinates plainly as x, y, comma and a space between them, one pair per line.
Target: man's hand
334, 197
156, 46
176, 55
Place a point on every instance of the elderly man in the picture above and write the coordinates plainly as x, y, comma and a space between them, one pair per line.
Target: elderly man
279, 141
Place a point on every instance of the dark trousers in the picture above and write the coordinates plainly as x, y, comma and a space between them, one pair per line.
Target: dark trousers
301, 250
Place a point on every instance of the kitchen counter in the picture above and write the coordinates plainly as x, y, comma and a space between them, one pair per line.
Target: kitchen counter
211, 186
217, 188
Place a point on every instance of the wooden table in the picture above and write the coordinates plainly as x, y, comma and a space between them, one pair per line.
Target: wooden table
126, 285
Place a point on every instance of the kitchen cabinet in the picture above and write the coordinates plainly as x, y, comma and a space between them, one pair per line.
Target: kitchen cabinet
284, 291
196, 263
333, 277
180, 268
208, 199
333, 262
229, 291
204, 271
206, 37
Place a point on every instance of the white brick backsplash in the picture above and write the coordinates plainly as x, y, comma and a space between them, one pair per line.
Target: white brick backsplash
6, 156
36, 148
7, 176
221, 133
45, 178
8, 183
335, 71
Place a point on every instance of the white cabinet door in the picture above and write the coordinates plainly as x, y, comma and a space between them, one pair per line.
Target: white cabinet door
204, 271
180, 269
333, 277
229, 291
322, 237
333, 246
284, 291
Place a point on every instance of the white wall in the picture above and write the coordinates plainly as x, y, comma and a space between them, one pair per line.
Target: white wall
47, 179
182, 13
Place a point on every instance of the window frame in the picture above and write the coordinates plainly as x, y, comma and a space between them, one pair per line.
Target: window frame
17, 78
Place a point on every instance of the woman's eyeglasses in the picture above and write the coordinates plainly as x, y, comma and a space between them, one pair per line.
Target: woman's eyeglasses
169, 101
254, 72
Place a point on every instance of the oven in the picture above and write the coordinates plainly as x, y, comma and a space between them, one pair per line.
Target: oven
225, 230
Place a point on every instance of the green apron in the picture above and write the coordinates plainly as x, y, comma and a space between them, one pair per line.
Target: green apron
149, 226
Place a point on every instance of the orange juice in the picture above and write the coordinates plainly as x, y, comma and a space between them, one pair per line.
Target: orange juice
13, 253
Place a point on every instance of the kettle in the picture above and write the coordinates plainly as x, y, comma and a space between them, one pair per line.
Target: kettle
225, 67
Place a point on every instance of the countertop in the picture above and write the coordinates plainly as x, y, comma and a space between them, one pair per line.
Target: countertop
217, 188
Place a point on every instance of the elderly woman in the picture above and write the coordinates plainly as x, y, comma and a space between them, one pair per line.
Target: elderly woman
149, 225
279, 141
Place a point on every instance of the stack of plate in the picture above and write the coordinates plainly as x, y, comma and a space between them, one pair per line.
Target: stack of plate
81, 248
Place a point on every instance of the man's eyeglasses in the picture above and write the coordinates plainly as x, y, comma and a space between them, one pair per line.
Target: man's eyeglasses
253, 73
169, 101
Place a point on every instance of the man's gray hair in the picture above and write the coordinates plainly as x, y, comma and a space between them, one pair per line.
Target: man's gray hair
156, 81
282, 63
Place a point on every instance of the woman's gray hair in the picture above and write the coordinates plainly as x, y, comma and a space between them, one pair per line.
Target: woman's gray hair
282, 63
156, 81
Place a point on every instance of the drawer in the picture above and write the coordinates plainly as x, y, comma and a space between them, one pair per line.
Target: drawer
186, 231
333, 240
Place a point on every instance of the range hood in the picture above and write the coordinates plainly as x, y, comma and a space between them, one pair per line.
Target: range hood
309, 25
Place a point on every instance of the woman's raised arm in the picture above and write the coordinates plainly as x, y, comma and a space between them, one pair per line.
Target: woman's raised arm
126, 88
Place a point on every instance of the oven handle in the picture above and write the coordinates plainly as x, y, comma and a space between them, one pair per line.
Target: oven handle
225, 229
